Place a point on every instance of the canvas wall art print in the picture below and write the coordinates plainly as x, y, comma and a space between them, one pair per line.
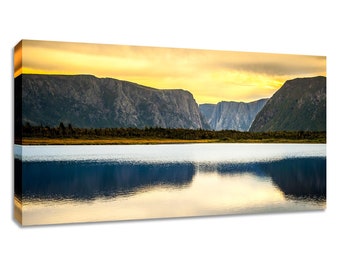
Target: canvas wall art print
116, 132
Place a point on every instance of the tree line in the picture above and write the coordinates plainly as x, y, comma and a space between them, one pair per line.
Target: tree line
68, 131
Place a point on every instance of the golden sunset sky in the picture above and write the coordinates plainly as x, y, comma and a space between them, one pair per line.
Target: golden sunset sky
210, 75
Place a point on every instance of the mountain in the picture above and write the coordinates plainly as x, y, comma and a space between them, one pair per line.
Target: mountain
91, 102
231, 115
207, 111
300, 104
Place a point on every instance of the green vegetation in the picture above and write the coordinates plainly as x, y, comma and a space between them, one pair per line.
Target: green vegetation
66, 134
300, 104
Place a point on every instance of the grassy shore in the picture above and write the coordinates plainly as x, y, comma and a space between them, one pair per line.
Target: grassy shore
127, 141
39, 135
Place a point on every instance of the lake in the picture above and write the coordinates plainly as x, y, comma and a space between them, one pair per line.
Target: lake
89, 183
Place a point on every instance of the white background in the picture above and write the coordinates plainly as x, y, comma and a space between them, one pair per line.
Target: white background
273, 241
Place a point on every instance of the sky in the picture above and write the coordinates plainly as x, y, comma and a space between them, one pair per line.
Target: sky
210, 75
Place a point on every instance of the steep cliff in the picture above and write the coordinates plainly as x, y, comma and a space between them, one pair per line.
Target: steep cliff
300, 104
231, 115
88, 101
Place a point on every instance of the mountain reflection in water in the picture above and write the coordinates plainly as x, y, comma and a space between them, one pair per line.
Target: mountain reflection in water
300, 178
88, 180
295, 177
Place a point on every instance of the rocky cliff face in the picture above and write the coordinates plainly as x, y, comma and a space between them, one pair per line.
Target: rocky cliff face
300, 104
231, 115
87, 101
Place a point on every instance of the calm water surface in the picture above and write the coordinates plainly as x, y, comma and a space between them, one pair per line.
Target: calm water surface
62, 184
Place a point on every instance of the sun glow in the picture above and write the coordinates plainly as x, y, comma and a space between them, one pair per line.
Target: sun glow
211, 76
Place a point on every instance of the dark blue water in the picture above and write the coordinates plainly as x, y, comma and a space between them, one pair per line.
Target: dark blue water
88, 180
297, 177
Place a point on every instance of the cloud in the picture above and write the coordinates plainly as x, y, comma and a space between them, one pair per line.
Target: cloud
210, 75
277, 64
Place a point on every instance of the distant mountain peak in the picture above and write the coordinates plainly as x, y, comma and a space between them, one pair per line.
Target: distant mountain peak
231, 115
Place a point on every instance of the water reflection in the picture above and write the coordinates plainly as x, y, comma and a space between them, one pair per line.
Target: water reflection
296, 177
87, 180
299, 178
82, 191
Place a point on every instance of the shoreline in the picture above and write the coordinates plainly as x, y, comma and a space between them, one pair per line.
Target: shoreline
147, 141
